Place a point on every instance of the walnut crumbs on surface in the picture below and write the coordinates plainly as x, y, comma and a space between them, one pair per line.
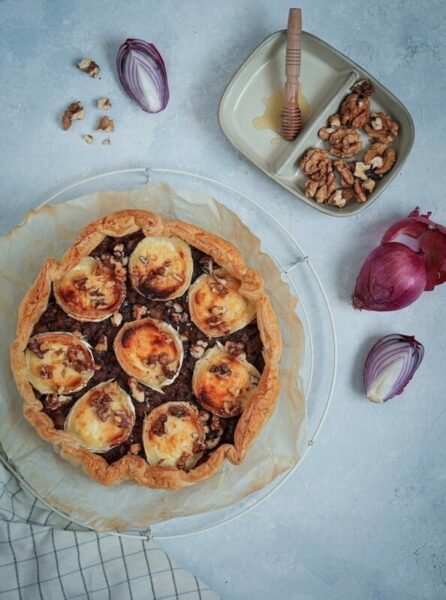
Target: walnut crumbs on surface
338, 182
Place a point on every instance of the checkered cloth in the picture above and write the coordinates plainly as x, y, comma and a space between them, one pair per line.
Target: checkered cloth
44, 556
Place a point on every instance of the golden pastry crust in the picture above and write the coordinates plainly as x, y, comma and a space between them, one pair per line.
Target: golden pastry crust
259, 407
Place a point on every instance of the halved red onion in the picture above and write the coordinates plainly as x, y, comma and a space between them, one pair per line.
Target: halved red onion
392, 277
143, 75
428, 237
390, 365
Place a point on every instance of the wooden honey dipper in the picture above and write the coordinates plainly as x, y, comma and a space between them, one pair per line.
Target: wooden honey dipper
291, 117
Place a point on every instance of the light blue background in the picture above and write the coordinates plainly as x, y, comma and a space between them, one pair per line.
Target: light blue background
365, 516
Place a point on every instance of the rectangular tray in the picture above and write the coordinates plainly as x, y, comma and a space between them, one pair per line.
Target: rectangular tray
326, 77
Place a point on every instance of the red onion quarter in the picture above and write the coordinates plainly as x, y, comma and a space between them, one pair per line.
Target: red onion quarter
143, 75
392, 277
390, 366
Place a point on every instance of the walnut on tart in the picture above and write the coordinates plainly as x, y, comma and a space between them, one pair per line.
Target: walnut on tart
102, 418
173, 436
224, 380
216, 306
161, 267
58, 362
90, 291
149, 350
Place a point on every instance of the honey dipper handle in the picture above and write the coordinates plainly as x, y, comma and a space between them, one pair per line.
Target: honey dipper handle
292, 64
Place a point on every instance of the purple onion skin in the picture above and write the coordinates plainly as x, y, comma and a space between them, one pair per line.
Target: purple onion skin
157, 68
383, 355
392, 277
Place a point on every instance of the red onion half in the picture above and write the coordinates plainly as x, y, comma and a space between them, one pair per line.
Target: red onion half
390, 365
143, 75
392, 277
429, 238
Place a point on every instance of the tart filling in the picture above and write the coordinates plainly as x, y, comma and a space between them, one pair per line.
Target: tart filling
58, 362
161, 267
149, 350
91, 291
173, 436
216, 306
102, 418
224, 380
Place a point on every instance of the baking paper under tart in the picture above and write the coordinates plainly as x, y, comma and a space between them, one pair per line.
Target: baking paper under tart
149, 350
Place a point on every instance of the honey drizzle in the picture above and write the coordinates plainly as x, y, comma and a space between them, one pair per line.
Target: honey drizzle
271, 116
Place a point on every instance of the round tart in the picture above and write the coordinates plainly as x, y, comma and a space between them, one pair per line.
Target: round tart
173, 436
102, 418
58, 362
90, 291
223, 380
175, 403
216, 306
161, 267
149, 350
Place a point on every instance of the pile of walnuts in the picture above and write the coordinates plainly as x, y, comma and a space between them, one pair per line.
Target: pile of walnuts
337, 181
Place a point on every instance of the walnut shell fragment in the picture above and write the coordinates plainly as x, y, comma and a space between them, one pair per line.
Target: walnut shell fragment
89, 66
74, 112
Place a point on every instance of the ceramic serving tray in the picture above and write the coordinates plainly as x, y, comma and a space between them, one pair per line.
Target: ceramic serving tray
252, 99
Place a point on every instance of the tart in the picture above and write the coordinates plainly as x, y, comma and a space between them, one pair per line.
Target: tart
149, 351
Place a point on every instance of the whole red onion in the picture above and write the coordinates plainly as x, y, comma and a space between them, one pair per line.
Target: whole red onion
392, 277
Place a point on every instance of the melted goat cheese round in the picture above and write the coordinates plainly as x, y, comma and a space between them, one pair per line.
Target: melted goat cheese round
58, 362
173, 436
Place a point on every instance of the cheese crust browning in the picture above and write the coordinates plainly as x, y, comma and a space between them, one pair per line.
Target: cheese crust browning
259, 406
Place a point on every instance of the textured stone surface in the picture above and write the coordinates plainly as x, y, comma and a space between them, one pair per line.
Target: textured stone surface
365, 515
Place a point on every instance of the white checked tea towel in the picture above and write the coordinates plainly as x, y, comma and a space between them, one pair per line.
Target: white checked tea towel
45, 557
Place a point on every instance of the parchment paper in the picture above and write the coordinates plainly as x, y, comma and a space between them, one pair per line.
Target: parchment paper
48, 232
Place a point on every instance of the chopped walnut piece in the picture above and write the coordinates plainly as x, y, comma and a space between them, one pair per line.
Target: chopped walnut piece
102, 344
135, 448
235, 349
360, 170
101, 403
178, 411
106, 124
363, 87
214, 321
136, 390
343, 168
88, 138
345, 142
340, 197
325, 132
177, 307
123, 420
74, 112
158, 428
321, 190
217, 310
89, 66
334, 120
55, 401
106, 142
381, 127
36, 348
207, 264
104, 103
378, 150
355, 110
222, 370
139, 311
198, 447
164, 358
46, 372
197, 350
116, 319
